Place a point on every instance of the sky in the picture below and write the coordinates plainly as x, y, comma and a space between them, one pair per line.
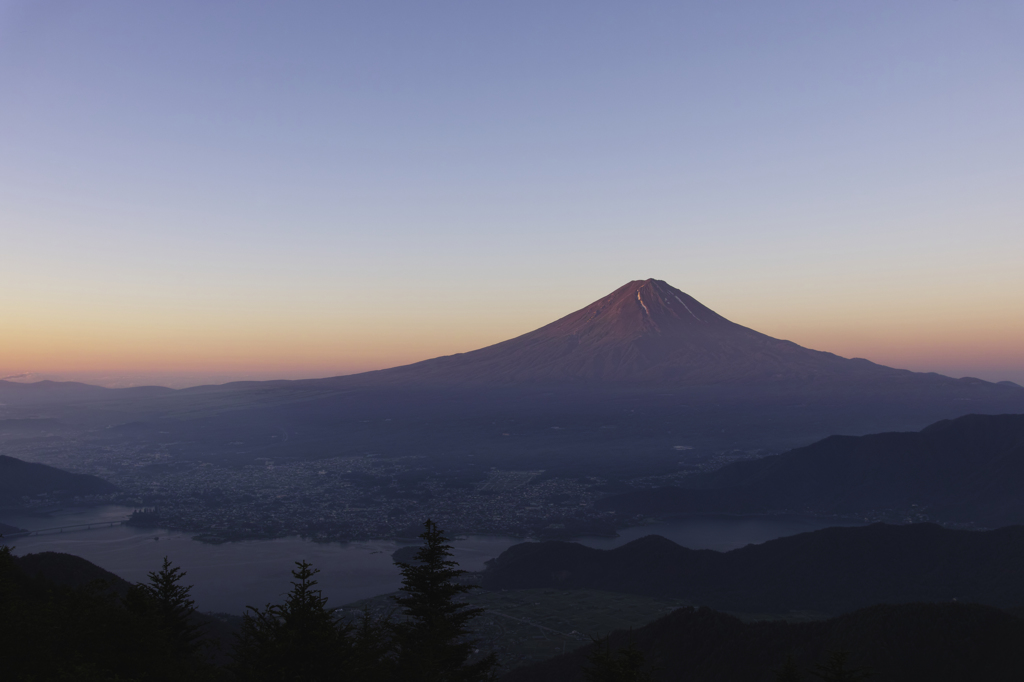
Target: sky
196, 192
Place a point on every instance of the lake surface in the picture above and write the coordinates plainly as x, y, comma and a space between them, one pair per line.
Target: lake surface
230, 576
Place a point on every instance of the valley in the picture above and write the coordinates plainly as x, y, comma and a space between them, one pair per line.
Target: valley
554, 434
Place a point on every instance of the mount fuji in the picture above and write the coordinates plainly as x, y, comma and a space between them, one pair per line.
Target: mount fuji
646, 332
644, 374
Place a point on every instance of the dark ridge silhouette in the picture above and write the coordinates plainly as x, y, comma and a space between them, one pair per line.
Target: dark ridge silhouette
62, 618
969, 469
934, 642
68, 570
831, 571
18, 478
6, 529
47, 570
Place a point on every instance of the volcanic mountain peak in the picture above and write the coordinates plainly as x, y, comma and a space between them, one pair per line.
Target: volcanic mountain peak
640, 307
643, 332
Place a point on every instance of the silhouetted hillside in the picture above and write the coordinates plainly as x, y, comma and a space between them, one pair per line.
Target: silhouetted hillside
58, 623
68, 570
18, 478
6, 529
969, 469
933, 642
834, 570
46, 570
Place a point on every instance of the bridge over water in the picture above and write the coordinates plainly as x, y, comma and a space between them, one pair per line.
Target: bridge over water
65, 529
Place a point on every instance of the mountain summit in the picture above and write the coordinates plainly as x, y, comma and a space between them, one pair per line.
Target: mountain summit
643, 332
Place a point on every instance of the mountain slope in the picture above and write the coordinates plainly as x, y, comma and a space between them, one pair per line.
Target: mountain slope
834, 570
934, 642
18, 478
618, 389
970, 469
68, 570
644, 332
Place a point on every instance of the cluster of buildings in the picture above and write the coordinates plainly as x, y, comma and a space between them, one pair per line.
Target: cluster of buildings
356, 498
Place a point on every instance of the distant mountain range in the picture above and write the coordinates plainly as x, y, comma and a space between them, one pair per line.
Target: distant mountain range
43, 392
967, 470
934, 642
831, 571
18, 478
617, 389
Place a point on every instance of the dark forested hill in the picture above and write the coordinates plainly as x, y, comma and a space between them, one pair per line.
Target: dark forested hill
834, 570
969, 469
63, 618
18, 478
68, 570
934, 642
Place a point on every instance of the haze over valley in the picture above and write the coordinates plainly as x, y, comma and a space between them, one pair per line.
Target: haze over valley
645, 388
484, 342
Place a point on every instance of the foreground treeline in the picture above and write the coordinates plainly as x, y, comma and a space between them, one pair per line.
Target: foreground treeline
69, 626
150, 631
50, 631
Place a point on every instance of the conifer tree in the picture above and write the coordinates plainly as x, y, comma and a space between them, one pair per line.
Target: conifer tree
789, 672
837, 669
625, 665
298, 640
50, 631
371, 658
169, 602
9, 591
433, 644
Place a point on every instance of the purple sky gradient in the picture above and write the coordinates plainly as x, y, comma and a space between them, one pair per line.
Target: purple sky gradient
238, 190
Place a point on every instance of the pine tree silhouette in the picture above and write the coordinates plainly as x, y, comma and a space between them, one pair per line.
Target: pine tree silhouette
625, 665
169, 602
298, 640
837, 669
789, 672
433, 644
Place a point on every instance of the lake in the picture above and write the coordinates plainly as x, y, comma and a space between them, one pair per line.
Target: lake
230, 576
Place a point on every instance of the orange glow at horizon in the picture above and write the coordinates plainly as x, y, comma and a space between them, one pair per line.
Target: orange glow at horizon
117, 347
436, 181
